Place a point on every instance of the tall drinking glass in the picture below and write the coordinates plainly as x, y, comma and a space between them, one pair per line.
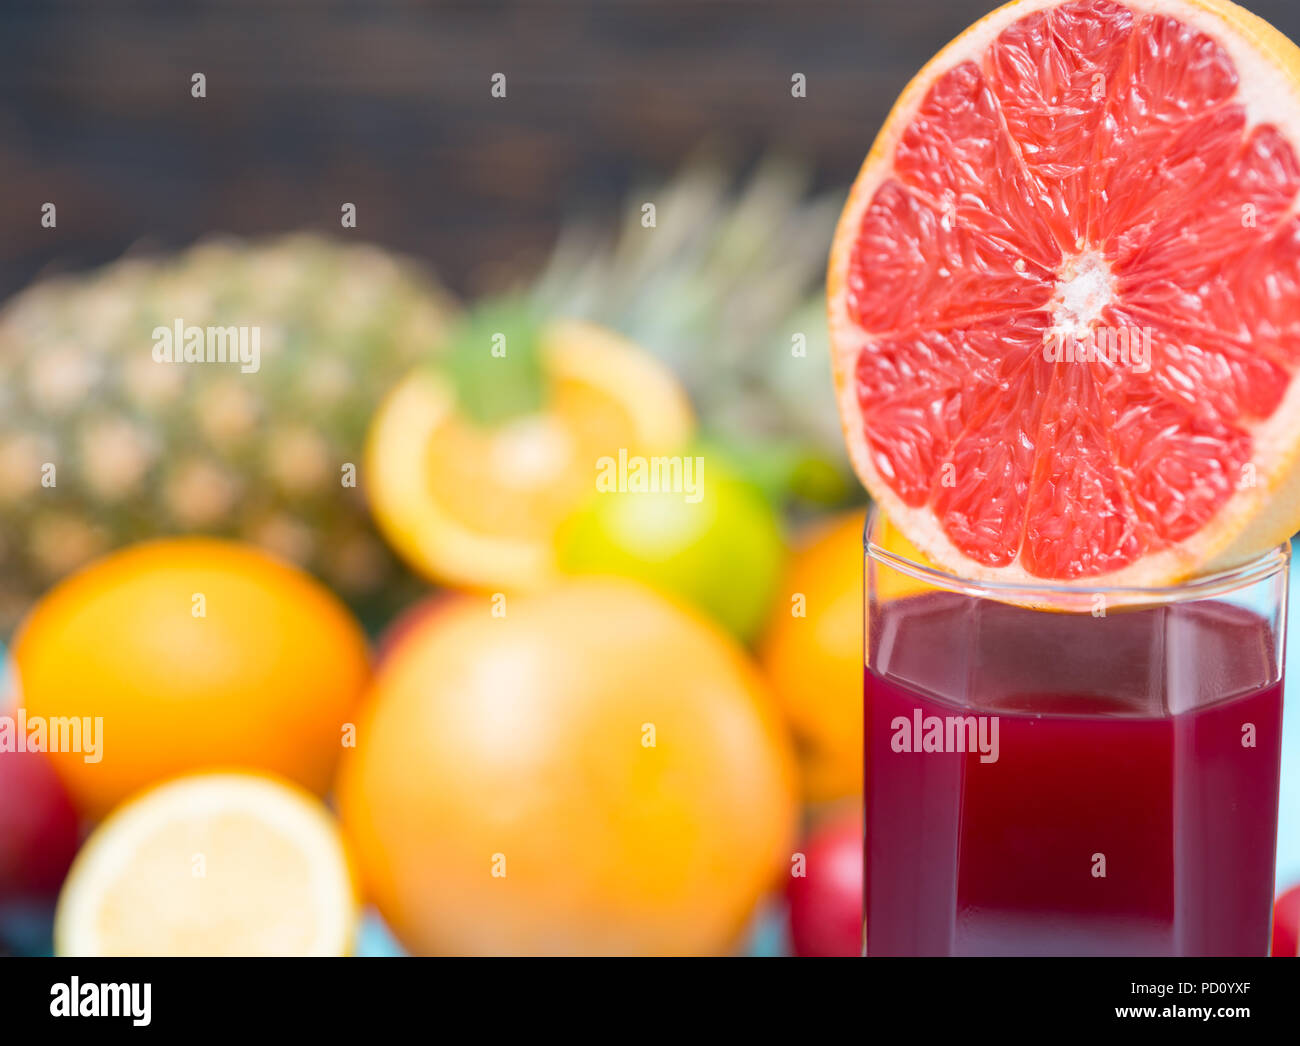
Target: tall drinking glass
1053, 770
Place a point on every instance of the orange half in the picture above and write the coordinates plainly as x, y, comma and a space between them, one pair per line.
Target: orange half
478, 506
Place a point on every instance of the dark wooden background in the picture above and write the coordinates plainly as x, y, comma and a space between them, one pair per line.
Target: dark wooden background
386, 104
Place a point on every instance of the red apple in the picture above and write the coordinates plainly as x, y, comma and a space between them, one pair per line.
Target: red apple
1286, 923
825, 903
38, 828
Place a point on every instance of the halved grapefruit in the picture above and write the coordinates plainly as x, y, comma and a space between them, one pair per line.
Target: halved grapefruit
1064, 295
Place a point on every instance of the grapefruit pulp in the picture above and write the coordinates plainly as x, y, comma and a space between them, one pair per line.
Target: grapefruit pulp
1064, 295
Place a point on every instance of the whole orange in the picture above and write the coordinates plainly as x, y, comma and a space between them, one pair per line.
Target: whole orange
811, 654
193, 653
589, 770
812, 649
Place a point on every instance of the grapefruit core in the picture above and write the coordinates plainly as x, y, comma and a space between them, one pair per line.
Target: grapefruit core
1064, 295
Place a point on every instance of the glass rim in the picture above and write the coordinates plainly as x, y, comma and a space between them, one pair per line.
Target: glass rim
1215, 582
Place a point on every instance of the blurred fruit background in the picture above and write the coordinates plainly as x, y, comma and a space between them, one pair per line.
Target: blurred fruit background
541, 714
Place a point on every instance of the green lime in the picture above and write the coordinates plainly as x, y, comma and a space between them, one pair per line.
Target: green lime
694, 530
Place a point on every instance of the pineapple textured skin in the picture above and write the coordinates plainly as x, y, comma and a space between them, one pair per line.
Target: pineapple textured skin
102, 445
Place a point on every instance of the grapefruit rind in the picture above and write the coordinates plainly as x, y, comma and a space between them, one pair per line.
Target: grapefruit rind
1253, 518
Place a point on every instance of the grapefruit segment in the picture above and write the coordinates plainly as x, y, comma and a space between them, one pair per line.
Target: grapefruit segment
956, 137
1179, 467
1050, 73
1173, 177
982, 489
1205, 371
1079, 520
1064, 295
915, 266
1239, 210
1251, 302
1168, 107
926, 386
1259, 301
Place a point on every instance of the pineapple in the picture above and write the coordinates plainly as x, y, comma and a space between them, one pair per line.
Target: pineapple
720, 288
101, 444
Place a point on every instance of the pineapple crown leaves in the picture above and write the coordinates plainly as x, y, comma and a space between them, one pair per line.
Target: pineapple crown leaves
493, 360
734, 269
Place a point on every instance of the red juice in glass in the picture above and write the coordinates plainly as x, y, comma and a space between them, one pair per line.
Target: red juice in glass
1099, 781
